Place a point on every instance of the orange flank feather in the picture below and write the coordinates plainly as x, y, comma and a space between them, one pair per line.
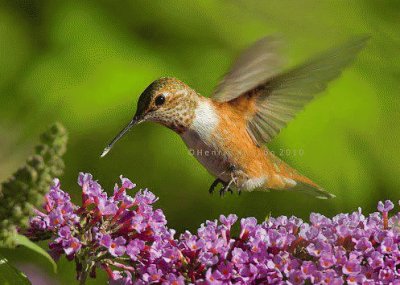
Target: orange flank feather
255, 161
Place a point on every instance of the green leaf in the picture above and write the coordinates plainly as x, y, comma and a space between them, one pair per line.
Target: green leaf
23, 240
9, 275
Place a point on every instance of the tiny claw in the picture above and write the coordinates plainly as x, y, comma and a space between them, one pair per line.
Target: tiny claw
224, 189
213, 185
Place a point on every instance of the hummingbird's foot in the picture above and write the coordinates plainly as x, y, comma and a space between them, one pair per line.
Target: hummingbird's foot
239, 177
214, 184
226, 188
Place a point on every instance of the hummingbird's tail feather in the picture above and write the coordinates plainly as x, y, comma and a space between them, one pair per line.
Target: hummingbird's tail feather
307, 186
296, 183
312, 189
282, 177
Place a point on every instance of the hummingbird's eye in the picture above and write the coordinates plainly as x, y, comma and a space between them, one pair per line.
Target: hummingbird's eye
159, 100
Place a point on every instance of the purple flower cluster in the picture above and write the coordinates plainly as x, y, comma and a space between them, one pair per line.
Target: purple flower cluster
127, 238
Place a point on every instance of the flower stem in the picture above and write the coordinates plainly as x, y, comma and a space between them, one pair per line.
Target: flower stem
83, 277
385, 220
84, 274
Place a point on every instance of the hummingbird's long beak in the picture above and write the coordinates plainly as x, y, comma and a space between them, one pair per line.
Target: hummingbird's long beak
132, 123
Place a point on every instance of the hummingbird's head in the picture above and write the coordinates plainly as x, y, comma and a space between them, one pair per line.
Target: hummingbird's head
167, 101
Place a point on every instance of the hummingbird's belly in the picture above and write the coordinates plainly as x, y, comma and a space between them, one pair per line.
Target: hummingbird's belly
208, 154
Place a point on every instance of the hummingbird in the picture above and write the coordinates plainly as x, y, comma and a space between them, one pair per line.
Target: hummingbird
254, 101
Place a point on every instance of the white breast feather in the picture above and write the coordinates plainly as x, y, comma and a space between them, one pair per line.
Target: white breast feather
200, 140
205, 120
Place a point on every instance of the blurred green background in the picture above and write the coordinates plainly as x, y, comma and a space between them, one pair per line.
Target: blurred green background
85, 63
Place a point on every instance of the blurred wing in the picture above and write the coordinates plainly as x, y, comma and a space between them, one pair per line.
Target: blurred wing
256, 64
281, 97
